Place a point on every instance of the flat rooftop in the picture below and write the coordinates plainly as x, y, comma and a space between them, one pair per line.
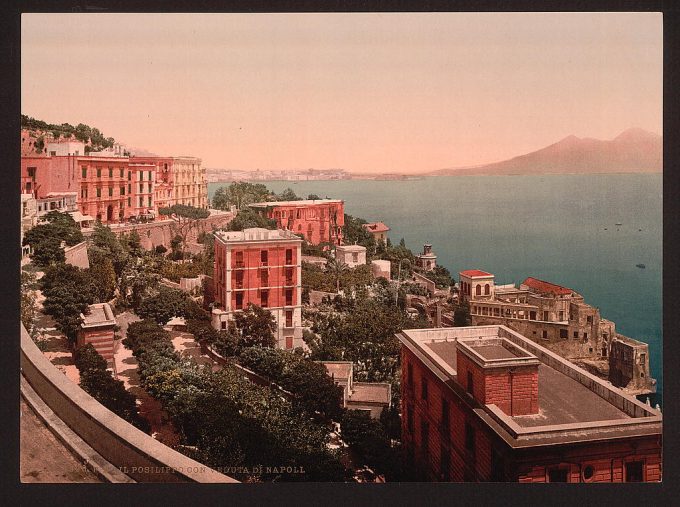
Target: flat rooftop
370, 392
304, 202
573, 403
100, 315
255, 234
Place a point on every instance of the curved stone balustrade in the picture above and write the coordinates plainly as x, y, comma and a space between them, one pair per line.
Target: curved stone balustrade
135, 453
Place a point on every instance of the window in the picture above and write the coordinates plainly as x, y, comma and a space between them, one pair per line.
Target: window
84, 171
149, 201
129, 188
470, 383
423, 388
110, 191
129, 201
564, 333
149, 186
110, 172
298, 214
561, 316
289, 342
557, 475
355, 257
446, 421
575, 335
129, 175
589, 319
239, 259
497, 466
289, 276
444, 465
545, 335
585, 336
239, 300
141, 201
264, 298
289, 297
99, 172
469, 437
141, 188
478, 290
99, 192
28, 186
643, 358
264, 277
239, 279
532, 315
122, 190
224, 324
264, 257
149, 176
588, 472
83, 193
425, 437
487, 290
545, 315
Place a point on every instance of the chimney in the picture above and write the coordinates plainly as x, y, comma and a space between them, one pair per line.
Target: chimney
496, 371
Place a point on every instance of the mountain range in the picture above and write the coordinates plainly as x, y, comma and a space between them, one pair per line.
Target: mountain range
633, 151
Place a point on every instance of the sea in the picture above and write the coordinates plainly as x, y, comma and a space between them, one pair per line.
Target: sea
586, 232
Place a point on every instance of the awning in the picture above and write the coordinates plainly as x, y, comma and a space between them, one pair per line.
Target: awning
79, 217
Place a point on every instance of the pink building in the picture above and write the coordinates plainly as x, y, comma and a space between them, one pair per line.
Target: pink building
97, 328
261, 267
320, 221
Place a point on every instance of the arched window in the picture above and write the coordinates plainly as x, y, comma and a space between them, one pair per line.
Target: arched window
468, 288
487, 289
478, 290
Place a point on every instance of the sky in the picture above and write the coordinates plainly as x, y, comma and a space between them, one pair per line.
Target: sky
374, 92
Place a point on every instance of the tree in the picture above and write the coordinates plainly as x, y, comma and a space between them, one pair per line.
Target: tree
39, 144
353, 232
461, 315
68, 292
165, 305
28, 301
367, 436
313, 197
185, 219
288, 195
337, 269
240, 194
247, 218
143, 334
98, 383
105, 277
140, 279
45, 238
256, 327
48, 252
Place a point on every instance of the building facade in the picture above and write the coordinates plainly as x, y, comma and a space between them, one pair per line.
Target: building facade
559, 319
97, 328
378, 230
319, 221
261, 267
427, 260
485, 403
351, 255
178, 180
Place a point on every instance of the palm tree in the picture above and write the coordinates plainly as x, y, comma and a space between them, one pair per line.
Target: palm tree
337, 268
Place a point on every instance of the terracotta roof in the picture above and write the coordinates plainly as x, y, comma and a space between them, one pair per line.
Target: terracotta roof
475, 272
546, 287
376, 227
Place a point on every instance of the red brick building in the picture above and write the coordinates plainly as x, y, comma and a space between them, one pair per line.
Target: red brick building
261, 267
97, 328
320, 221
485, 403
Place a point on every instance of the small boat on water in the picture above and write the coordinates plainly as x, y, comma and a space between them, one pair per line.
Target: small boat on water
641, 266
605, 228
618, 223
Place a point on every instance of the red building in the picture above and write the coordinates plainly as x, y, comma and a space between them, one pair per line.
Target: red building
97, 328
484, 403
320, 221
261, 267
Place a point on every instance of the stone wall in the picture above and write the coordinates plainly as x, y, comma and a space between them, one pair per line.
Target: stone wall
76, 255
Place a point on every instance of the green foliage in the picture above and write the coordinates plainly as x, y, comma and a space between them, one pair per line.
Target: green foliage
174, 271
165, 305
224, 342
441, 277
461, 315
368, 438
104, 276
239, 194
140, 279
313, 197
247, 218
336, 276
45, 238
354, 233
28, 301
39, 144
98, 383
288, 195
256, 327
81, 132
103, 244
68, 291
144, 333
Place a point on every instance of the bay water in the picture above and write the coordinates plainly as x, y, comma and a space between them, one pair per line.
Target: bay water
559, 228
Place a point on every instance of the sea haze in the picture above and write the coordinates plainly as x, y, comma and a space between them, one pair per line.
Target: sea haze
560, 228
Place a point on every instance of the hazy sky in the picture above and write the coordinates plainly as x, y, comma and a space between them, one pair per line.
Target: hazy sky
365, 92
